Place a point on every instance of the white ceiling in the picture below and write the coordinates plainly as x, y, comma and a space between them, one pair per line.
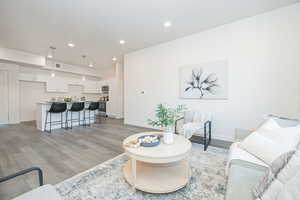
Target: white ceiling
96, 26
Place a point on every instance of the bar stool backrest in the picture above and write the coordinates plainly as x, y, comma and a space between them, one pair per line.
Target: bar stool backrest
58, 107
93, 106
77, 106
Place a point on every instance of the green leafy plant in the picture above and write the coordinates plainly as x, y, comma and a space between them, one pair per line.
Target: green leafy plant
166, 116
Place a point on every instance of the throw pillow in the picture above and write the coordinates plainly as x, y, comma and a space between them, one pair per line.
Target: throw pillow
284, 136
268, 125
271, 174
263, 148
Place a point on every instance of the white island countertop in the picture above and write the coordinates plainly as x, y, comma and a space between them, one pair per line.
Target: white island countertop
43, 107
50, 102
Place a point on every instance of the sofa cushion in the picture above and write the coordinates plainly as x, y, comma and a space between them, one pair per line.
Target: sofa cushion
45, 192
286, 183
256, 144
291, 189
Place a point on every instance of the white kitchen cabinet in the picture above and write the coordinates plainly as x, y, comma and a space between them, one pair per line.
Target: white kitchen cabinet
56, 85
91, 87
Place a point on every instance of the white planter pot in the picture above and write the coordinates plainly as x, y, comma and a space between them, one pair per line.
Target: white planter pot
168, 135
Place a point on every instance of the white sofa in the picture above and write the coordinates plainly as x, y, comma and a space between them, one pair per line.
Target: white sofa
244, 171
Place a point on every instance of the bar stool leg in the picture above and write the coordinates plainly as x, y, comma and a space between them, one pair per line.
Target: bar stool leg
89, 117
61, 120
71, 119
79, 118
50, 122
45, 128
66, 122
84, 118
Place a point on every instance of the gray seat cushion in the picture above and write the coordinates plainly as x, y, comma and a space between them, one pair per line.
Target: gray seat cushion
45, 192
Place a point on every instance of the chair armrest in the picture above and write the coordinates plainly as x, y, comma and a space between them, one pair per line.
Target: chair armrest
241, 134
23, 172
177, 121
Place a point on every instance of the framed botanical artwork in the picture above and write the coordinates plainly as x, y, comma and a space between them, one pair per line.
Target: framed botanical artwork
204, 81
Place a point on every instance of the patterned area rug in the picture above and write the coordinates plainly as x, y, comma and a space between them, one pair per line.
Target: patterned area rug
106, 182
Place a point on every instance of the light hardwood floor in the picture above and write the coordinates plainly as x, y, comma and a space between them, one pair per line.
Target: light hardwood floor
61, 154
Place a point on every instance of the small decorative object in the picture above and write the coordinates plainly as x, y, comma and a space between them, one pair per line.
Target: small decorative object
67, 99
149, 140
166, 119
133, 144
204, 81
82, 98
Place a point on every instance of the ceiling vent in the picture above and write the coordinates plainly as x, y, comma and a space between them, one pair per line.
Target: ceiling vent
57, 65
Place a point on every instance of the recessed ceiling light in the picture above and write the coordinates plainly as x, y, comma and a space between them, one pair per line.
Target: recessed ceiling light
49, 55
71, 44
114, 59
167, 24
122, 41
91, 64
83, 78
52, 74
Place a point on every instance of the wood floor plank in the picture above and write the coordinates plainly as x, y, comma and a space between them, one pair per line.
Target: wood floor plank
61, 154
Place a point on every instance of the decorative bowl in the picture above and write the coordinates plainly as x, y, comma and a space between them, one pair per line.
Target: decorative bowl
149, 144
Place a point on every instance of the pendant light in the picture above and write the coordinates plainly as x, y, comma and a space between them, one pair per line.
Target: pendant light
51, 52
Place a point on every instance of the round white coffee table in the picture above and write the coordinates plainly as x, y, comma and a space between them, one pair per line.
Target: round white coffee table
161, 169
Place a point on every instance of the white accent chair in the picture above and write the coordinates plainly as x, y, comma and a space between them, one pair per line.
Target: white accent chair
195, 123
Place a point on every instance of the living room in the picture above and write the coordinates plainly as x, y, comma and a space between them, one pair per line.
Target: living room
193, 102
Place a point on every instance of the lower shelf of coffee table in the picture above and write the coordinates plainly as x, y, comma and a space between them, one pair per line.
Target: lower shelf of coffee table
158, 178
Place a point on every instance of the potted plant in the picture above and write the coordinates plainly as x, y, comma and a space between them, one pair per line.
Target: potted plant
166, 117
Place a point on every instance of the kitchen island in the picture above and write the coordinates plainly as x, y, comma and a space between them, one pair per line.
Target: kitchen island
43, 107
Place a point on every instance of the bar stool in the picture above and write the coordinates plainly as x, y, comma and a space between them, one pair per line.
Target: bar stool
76, 107
92, 107
56, 108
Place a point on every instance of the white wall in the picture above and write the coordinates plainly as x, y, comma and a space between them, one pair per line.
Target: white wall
33, 92
13, 91
263, 55
115, 104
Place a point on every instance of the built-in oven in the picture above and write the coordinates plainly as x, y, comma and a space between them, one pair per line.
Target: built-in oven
105, 89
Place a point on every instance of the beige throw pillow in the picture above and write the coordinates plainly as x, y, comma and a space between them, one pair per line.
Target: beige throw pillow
289, 137
263, 148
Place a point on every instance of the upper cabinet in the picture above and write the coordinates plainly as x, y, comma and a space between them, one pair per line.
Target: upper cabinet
91, 87
56, 85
